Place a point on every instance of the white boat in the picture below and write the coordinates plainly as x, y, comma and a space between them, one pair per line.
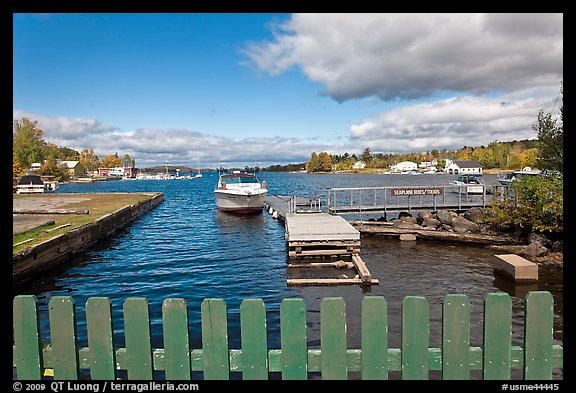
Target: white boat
508, 178
30, 184
51, 185
468, 184
198, 175
240, 192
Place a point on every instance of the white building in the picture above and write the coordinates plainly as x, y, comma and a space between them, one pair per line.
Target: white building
463, 167
359, 165
404, 166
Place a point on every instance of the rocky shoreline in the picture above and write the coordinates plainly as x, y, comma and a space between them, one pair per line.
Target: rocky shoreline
535, 247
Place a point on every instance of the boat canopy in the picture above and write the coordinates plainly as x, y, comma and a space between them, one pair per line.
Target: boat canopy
30, 179
239, 178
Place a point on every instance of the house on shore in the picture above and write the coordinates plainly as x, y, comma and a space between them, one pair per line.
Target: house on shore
461, 167
404, 166
128, 172
75, 169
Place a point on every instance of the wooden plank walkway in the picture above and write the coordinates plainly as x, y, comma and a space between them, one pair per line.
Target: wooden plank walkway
311, 234
319, 227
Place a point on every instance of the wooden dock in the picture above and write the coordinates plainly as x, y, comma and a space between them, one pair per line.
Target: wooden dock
311, 234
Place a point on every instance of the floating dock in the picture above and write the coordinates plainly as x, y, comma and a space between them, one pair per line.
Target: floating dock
311, 234
320, 234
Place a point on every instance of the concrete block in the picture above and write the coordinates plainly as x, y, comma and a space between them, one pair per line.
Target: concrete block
407, 237
516, 268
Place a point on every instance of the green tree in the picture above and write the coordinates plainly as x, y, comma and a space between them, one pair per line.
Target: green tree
28, 146
537, 205
551, 140
313, 165
366, 156
50, 167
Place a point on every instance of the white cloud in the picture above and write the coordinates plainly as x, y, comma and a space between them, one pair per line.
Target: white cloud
450, 123
150, 147
416, 55
65, 128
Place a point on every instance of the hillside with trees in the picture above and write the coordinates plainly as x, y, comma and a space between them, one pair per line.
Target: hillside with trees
29, 147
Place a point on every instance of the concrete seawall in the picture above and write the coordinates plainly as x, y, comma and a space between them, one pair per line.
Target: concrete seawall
57, 250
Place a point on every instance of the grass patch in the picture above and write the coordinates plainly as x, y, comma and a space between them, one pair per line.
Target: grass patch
98, 204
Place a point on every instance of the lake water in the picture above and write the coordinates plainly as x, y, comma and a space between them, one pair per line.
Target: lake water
185, 248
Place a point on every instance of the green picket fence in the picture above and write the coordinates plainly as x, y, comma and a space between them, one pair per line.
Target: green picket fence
537, 357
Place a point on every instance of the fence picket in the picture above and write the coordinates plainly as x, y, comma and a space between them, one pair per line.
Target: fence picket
374, 338
334, 360
538, 335
27, 351
456, 337
294, 356
100, 338
215, 339
176, 342
254, 343
137, 332
62, 316
415, 337
333, 338
497, 336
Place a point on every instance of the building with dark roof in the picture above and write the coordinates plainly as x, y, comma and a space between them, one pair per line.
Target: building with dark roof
463, 167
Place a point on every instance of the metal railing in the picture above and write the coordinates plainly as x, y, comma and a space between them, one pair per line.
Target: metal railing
348, 200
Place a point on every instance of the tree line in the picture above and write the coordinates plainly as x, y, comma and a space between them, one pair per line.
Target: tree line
502, 155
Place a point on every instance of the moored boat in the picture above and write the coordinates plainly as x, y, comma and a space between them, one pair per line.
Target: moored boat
239, 192
508, 178
30, 184
469, 184
51, 185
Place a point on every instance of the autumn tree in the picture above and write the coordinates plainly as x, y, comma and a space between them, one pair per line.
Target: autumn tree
28, 146
112, 161
325, 162
17, 169
89, 160
127, 161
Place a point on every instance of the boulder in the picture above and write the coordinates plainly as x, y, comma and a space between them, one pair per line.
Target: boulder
475, 214
447, 228
535, 249
462, 225
405, 216
407, 237
539, 238
406, 225
446, 217
431, 223
423, 216
557, 246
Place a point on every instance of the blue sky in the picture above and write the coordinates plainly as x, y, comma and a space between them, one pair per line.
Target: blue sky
264, 89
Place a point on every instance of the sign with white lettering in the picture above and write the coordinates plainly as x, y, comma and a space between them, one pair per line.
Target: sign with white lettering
417, 191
